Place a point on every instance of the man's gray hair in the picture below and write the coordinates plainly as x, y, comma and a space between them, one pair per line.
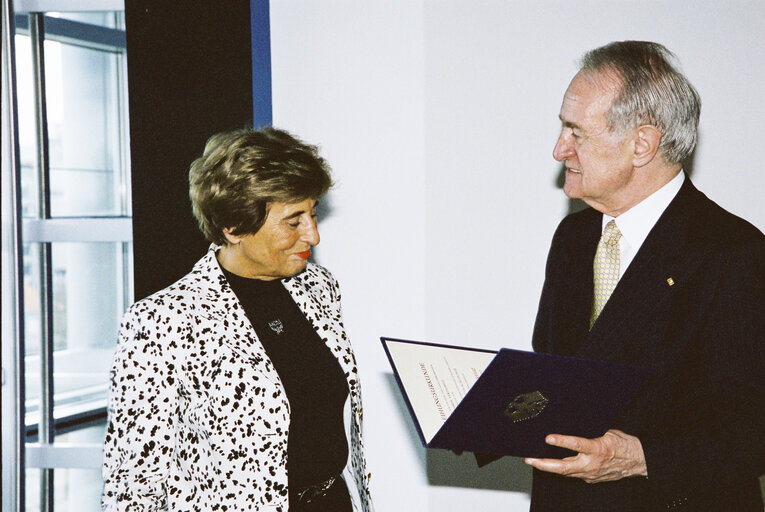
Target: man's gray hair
652, 91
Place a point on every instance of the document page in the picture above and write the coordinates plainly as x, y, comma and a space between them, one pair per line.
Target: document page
435, 378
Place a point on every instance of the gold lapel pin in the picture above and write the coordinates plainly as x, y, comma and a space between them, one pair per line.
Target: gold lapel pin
670, 281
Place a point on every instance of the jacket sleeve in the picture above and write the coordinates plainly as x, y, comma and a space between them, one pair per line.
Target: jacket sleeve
542, 324
138, 447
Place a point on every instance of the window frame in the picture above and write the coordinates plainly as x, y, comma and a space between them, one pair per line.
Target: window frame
32, 446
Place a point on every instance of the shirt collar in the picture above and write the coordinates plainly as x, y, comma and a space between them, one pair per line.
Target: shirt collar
637, 222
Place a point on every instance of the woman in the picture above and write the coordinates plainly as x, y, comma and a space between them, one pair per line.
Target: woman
229, 388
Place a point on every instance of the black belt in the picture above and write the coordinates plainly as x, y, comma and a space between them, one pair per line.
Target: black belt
307, 494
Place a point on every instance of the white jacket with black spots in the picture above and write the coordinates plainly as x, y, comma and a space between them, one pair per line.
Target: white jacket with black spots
198, 417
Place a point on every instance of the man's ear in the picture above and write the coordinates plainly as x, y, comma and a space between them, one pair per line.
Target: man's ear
230, 237
647, 142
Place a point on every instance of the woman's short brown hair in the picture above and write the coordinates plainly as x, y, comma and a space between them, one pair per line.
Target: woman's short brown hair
242, 171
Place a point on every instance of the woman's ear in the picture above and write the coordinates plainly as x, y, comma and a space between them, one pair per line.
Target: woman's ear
230, 237
647, 142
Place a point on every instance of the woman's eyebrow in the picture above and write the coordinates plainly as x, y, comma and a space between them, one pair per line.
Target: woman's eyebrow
299, 212
294, 214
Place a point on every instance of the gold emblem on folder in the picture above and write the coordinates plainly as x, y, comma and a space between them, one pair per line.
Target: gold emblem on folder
670, 281
526, 406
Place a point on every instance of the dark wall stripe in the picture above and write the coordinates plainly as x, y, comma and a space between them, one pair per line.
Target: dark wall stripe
189, 76
261, 63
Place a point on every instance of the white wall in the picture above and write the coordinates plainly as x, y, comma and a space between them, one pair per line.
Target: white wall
439, 119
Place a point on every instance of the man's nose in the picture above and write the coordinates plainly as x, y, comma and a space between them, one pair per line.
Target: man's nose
562, 149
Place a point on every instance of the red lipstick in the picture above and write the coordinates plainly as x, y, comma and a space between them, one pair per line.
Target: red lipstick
304, 254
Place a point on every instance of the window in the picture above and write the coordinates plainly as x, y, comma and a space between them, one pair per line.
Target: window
75, 251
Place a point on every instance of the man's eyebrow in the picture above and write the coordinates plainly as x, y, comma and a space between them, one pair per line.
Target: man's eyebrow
569, 124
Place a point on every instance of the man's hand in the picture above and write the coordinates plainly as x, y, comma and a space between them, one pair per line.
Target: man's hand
614, 456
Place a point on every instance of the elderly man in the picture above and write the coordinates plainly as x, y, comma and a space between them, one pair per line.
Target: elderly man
653, 274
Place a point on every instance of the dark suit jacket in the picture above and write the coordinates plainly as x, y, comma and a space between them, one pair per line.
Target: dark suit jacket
701, 418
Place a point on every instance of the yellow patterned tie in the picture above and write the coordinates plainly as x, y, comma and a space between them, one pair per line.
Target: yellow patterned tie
605, 269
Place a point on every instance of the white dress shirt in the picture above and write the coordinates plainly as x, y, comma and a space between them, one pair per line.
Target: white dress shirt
637, 222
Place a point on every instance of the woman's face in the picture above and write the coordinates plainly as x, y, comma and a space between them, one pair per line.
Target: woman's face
279, 249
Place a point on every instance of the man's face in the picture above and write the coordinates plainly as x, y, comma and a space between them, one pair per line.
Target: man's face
598, 162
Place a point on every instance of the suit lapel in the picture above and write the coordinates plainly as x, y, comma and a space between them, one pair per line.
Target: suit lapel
318, 310
573, 297
658, 271
224, 317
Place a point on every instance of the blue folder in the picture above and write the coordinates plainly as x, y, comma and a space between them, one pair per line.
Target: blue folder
521, 397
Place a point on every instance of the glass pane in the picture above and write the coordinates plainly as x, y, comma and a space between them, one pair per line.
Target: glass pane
84, 128
75, 490
103, 19
89, 299
89, 435
91, 288
32, 298
27, 127
32, 489
32, 331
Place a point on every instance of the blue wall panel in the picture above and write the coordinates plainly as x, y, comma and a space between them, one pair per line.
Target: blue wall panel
261, 63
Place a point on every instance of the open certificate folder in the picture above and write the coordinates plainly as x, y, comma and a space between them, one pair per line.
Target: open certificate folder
506, 402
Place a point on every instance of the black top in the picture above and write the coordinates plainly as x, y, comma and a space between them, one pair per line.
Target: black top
313, 380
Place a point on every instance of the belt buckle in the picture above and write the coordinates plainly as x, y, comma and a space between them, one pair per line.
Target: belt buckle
316, 490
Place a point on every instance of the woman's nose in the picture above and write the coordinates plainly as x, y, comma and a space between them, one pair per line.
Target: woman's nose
311, 233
